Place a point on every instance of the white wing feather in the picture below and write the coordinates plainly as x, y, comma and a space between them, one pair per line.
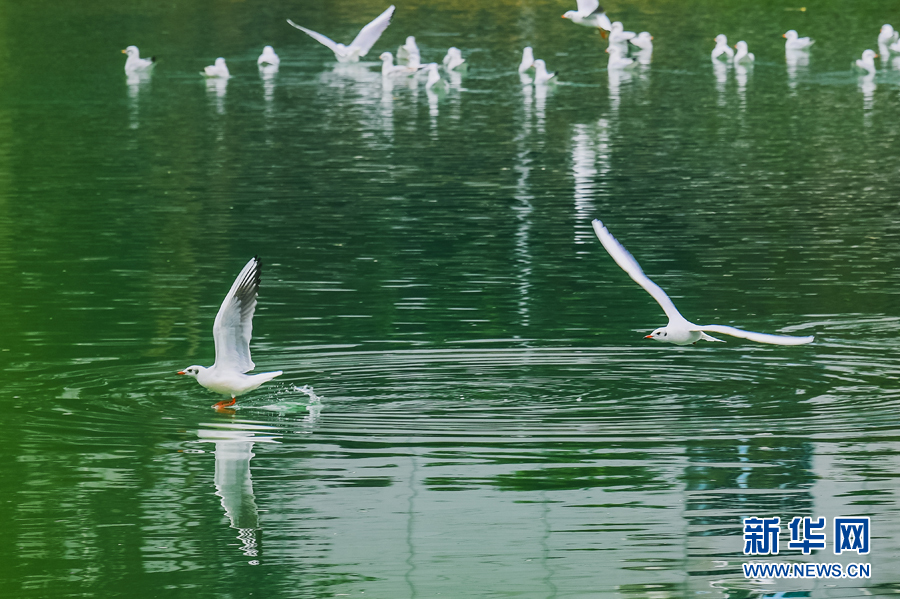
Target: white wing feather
631, 266
371, 32
758, 337
234, 322
586, 7
322, 39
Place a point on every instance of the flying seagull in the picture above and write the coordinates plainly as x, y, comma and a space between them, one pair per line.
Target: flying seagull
231, 332
589, 14
360, 45
679, 331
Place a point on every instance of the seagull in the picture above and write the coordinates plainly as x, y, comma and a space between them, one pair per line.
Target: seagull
887, 35
434, 77
617, 35
679, 330
867, 62
722, 47
217, 71
794, 42
618, 60
360, 45
134, 63
895, 47
389, 69
742, 55
540, 72
454, 59
527, 60
231, 333
268, 58
589, 14
643, 40
409, 53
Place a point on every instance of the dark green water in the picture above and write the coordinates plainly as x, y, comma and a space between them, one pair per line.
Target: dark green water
468, 408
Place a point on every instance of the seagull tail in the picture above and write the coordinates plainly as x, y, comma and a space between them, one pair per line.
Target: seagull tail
152, 59
705, 337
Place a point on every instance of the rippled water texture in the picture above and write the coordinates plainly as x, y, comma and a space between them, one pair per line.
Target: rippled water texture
468, 408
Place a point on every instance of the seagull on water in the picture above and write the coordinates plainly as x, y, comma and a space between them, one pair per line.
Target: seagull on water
742, 54
217, 71
887, 35
389, 69
589, 14
618, 60
409, 53
618, 35
643, 40
722, 48
527, 60
541, 75
434, 77
679, 331
360, 45
867, 62
231, 333
454, 59
795, 42
268, 58
134, 63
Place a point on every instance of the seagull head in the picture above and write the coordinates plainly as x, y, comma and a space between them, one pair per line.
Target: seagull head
131, 51
660, 334
869, 55
790, 35
386, 57
721, 39
617, 26
268, 50
193, 371
741, 46
570, 14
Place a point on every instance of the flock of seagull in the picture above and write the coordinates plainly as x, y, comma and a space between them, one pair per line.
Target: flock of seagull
233, 325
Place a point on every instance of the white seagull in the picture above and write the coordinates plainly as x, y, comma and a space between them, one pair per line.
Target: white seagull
722, 48
389, 69
540, 72
643, 40
527, 60
795, 42
454, 59
887, 35
742, 54
134, 63
867, 62
268, 58
617, 35
618, 60
360, 45
679, 331
589, 14
231, 333
217, 71
409, 53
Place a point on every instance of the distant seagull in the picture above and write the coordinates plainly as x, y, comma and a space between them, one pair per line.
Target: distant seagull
409, 53
434, 77
268, 58
589, 14
643, 40
722, 48
742, 55
794, 42
134, 63
363, 42
231, 332
618, 60
679, 330
389, 69
867, 62
453, 59
540, 72
895, 47
617, 34
887, 35
527, 60
217, 71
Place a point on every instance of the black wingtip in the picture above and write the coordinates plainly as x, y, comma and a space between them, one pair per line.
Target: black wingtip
152, 59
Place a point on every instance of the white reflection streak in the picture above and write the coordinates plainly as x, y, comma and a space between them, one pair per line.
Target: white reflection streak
433, 109
867, 87
540, 106
135, 80
741, 74
215, 89
524, 208
797, 62
583, 169
616, 78
387, 108
234, 449
267, 73
720, 70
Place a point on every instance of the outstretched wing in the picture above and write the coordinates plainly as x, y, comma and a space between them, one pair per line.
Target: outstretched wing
630, 266
758, 337
322, 39
587, 7
234, 322
371, 32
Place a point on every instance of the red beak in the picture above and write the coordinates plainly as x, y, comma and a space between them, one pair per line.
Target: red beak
784, 35
181, 372
648, 337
